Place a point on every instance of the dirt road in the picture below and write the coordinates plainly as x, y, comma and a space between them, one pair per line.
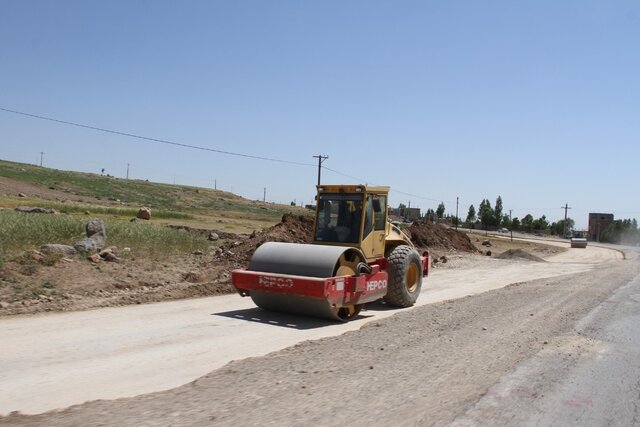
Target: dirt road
53, 361
463, 362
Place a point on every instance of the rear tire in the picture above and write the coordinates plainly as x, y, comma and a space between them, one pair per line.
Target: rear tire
405, 276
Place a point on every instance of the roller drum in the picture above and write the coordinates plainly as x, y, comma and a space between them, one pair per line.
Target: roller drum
304, 260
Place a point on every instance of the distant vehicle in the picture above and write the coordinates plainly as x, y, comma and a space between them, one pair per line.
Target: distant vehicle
503, 230
578, 239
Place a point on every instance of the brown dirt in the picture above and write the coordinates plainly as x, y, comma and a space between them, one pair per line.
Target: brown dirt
519, 254
29, 286
427, 235
424, 367
12, 187
76, 284
498, 245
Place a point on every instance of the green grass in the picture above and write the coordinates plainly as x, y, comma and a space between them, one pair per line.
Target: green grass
80, 208
98, 187
21, 231
166, 201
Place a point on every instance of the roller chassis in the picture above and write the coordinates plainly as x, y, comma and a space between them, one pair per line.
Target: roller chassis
332, 292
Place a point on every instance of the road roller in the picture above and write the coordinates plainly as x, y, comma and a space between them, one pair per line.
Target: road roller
357, 256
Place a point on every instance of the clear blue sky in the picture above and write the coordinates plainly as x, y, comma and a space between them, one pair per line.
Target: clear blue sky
536, 101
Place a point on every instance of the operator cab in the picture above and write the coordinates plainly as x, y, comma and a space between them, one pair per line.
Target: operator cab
353, 215
339, 218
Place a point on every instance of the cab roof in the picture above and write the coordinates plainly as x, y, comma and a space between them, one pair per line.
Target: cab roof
352, 189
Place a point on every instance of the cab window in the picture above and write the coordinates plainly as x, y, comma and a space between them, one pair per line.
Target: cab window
368, 217
380, 210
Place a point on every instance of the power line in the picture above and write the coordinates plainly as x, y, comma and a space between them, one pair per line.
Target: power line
213, 150
394, 190
146, 138
321, 159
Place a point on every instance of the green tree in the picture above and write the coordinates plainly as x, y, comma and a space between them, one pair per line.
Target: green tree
515, 224
621, 231
431, 215
541, 224
440, 210
527, 223
506, 222
402, 208
471, 215
558, 228
486, 213
497, 212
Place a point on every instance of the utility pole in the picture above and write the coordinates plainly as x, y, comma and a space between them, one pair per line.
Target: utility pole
566, 208
215, 183
41, 156
321, 159
127, 170
457, 201
264, 195
511, 224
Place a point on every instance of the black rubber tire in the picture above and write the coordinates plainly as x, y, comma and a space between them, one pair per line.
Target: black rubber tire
399, 262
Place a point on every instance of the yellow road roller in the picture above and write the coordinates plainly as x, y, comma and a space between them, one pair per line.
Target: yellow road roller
357, 256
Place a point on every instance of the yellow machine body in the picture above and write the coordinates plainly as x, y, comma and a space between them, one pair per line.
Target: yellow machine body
356, 216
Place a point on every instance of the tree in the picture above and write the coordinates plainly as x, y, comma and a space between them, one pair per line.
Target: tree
541, 224
431, 215
558, 228
402, 208
497, 212
506, 222
621, 231
515, 224
440, 210
486, 213
471, 215
527, 223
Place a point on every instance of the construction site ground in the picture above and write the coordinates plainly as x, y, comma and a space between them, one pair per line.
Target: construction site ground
73, 283
222, 361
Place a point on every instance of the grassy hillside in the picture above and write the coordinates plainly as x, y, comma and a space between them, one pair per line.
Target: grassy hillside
120, 198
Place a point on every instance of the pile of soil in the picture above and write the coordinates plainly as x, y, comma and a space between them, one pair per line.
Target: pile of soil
292, 229
519, 254
427, 235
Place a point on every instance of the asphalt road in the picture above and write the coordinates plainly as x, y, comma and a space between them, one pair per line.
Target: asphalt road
56, 360
592, 378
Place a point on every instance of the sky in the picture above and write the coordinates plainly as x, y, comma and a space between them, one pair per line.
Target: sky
535, 101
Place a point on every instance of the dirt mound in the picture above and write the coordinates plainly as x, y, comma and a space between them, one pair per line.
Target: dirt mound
426, 234
519, 254
292, 229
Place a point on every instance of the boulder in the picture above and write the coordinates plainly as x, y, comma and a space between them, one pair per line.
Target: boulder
22, 195
144, 213
58, 249
213, 236
96, 231
95, 226
36, 255
85, 245
109, 254
95, 258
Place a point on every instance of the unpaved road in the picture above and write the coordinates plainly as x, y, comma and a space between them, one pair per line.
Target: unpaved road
525, 354
53, 361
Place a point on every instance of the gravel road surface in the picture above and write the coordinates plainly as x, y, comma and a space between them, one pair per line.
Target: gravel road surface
57, 360
430, 365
